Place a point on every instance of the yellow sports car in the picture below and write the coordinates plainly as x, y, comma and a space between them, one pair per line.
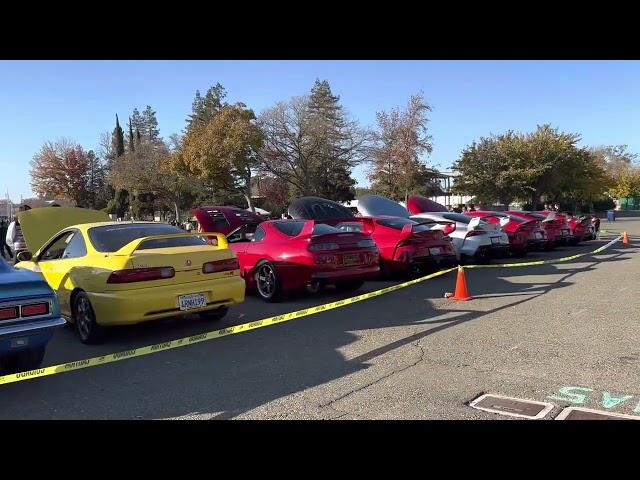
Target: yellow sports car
118, 273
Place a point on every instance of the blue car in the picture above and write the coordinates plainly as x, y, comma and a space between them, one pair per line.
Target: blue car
29, 313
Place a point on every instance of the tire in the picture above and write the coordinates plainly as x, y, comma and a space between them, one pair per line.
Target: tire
350, 286
268, 282
23, 361
85, 322
212, 315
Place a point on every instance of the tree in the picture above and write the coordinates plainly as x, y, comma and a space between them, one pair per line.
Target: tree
149, 127
97, 193
223, 151
117, 145
61, 169
205, 108
341, 144
274, 191
397, 168
132, 146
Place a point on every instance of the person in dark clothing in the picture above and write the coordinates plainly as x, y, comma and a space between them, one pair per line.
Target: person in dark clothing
3, 240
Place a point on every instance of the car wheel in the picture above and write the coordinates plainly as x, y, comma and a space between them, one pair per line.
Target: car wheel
217, 314
23, 361
351, 286
84, 319
268, 282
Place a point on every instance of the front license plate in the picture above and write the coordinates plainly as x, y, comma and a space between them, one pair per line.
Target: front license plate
495, 240
189, 302
434, 251
352, 259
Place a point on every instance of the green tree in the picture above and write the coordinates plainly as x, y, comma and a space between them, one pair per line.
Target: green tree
205, 108
132, 146
223, 151
149, 125
117, 142
397, 165
341, 144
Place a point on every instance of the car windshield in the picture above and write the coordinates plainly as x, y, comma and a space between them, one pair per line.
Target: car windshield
111, 238
399, 223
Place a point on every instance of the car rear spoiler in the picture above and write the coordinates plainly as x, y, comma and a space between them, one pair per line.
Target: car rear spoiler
501, 220
134, 245
408, 228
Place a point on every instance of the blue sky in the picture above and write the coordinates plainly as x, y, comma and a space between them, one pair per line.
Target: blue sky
46, 100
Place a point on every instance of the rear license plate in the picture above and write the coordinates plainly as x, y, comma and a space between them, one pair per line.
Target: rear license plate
538, 235
435, 251
351, 259
565, 233
189, 302
495, 240
19, 342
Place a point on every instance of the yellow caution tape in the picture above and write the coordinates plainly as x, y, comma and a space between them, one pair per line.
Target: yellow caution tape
245, 327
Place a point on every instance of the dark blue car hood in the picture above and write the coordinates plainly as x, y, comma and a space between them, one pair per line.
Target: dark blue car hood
21, 283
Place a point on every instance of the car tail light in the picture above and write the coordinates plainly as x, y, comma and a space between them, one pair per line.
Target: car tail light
449, 228
221, 266
366, 243
34, 309
315, 247
8, 313
141, 274
326, 259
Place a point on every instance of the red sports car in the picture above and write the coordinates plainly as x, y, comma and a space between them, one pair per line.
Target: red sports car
554, 224
278, 256
524, 234
406, 246
224, 219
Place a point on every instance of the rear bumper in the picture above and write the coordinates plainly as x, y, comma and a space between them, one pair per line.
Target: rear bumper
364, 273
126, 307
537, 244
27, 335
493, 251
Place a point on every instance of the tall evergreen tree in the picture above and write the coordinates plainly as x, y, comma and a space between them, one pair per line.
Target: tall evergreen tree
117, 139
203, 109
138, 135
335, 156
132, 147
149, 127
136, 120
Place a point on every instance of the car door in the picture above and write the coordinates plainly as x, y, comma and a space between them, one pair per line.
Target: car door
56, 261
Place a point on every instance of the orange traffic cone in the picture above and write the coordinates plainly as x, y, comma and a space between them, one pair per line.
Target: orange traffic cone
625, 238
461, 287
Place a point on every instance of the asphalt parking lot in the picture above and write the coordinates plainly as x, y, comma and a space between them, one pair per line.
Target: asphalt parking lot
564, 333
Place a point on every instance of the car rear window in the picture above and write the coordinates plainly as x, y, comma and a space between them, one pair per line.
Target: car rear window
291, 228
350, 227
111, 238
399, 223
323, 229
457, 217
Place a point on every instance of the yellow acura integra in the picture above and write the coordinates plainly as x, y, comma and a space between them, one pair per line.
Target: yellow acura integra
118, 273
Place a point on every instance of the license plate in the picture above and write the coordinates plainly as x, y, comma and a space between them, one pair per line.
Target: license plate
351, 259
434, 251
189, 302
19, 342
539, 235
565, 233
495, 240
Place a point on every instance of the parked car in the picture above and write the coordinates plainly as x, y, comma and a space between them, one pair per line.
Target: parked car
119, 273
524, 235
224, 219
554, 225
406, 246
281, 256
29, 315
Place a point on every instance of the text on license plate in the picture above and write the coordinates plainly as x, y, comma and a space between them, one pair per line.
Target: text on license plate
189, 302
351, 259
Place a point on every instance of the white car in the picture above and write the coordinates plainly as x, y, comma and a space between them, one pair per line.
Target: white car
473, 238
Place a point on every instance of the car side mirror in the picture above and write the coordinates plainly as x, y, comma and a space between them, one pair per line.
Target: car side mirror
24, 256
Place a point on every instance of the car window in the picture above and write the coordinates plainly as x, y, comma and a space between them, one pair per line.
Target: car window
76, 247
245, 233
111, 238
56, 249
291, 227
259, 235
399, 223
457, 217
350, 227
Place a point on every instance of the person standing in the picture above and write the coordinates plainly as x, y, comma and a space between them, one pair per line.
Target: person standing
14, 237
4, 226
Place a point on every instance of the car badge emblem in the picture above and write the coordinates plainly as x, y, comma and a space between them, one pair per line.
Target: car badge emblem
188, 263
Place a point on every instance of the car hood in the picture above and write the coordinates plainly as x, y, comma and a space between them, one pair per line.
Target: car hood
420, 204
40, 224
316, 208
16, 282
375, 205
